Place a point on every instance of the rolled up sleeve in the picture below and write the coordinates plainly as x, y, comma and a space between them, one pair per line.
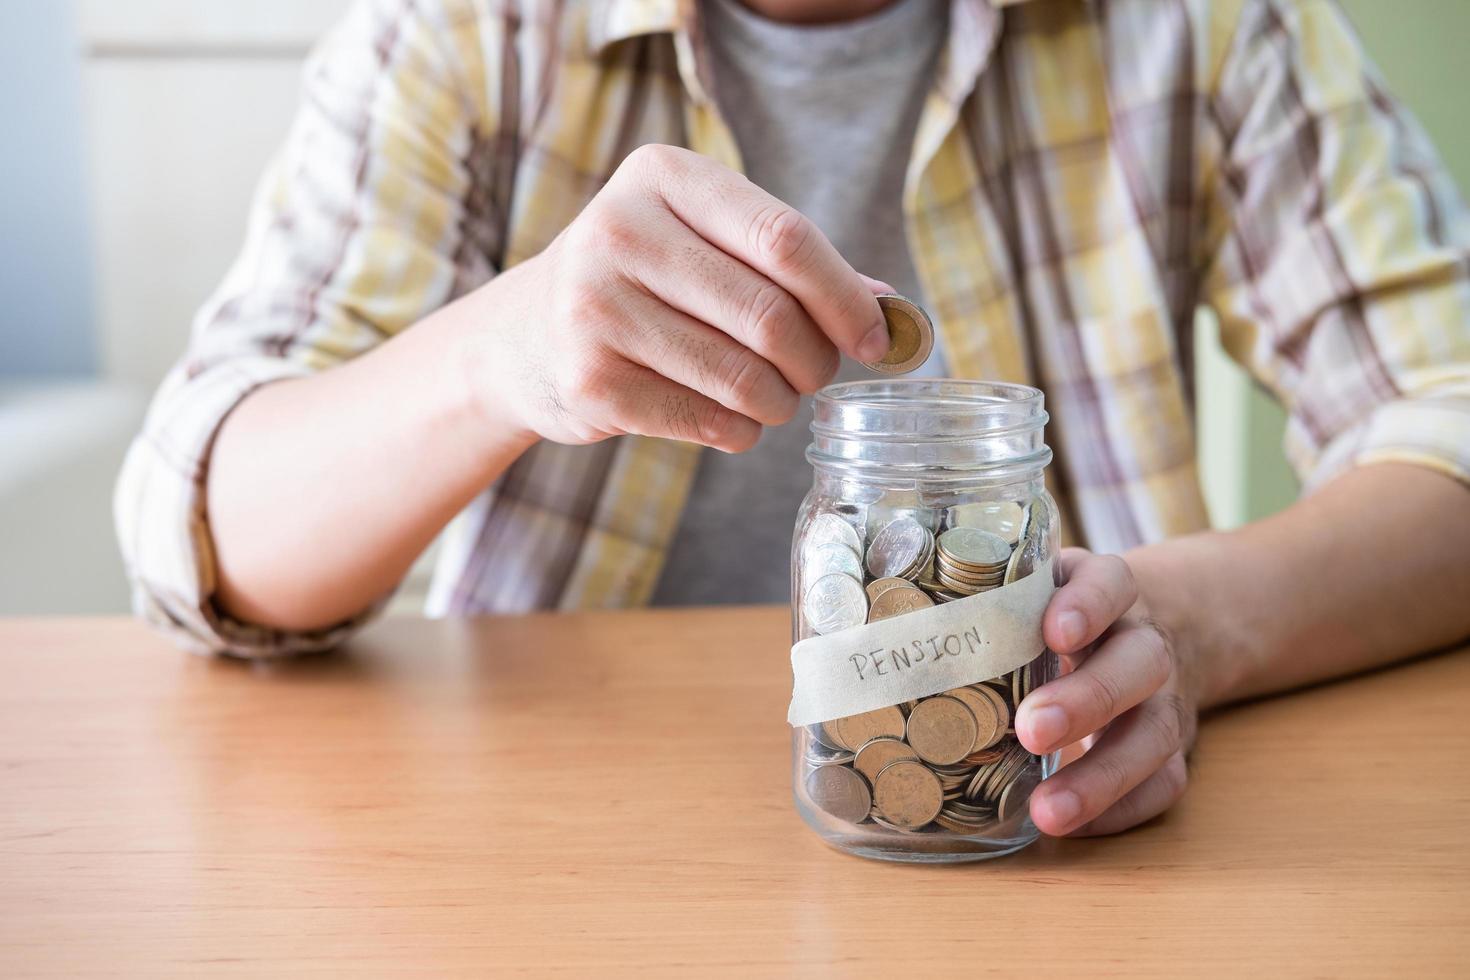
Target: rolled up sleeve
1339, 249
360, 227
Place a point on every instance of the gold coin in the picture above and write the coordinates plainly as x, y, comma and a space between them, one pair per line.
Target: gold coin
972, 791
944, 571
1002, 714
828, 735
855, 731
879, 586
927, 581
1016, 759
984, 757
968, 573
942, 730
841, 792
1001, 686
884, 823
962, 821
907, 794
989, 726
1018, 567
910, 335
970, 547
963, 588
992, 573
1016, 797
975, 580
878, 753
896, 602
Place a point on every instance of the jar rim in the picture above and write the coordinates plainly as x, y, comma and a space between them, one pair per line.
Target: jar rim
985, 394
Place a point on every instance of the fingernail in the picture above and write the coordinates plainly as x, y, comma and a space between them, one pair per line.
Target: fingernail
1064, 806
1047, 725
874, 345
1073, 627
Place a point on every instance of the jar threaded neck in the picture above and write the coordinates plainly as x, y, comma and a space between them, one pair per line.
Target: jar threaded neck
930, 429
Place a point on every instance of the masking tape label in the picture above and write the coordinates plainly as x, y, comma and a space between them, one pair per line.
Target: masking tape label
921, 653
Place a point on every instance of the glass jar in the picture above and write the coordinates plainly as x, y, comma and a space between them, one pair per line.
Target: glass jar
922, 560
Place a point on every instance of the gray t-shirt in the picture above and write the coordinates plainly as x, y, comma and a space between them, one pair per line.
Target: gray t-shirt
824, 118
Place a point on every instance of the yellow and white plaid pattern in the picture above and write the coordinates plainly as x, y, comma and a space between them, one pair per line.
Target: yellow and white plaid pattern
1085, 175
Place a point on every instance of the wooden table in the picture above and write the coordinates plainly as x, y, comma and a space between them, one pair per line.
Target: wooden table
609, 793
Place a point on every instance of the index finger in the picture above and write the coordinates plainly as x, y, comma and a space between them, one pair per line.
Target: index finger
731, 213
1098, 590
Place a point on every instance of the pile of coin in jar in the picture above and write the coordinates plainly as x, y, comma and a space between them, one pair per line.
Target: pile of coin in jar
950, 762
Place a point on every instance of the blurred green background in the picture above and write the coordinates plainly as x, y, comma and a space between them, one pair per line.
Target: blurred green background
1420, 46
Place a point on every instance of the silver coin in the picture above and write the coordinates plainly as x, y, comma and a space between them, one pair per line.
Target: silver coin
999, 517
831, 529
825, 559
1036, 519
820, 754
925, 564
1016, 797
1022, 561
896, 504
898, 548
835, 602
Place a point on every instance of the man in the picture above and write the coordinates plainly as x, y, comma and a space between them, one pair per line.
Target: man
496, 240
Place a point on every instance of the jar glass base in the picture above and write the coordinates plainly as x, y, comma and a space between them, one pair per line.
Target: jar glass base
922, 848
949, 851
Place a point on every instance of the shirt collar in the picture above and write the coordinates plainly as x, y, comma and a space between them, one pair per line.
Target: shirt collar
619, 20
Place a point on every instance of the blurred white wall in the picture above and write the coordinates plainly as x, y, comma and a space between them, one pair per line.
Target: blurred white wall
136, 132
186, 101
45, 258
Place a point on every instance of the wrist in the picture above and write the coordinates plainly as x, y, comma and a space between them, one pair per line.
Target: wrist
476, 392
1187, 587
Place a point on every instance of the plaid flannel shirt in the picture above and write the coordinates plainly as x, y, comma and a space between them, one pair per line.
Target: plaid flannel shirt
1086, 173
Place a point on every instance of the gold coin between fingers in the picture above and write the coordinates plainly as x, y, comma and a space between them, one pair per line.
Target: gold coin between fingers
910, 335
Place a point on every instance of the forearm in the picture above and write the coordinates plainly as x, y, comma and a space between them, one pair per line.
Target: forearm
322, 491
1372, 568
